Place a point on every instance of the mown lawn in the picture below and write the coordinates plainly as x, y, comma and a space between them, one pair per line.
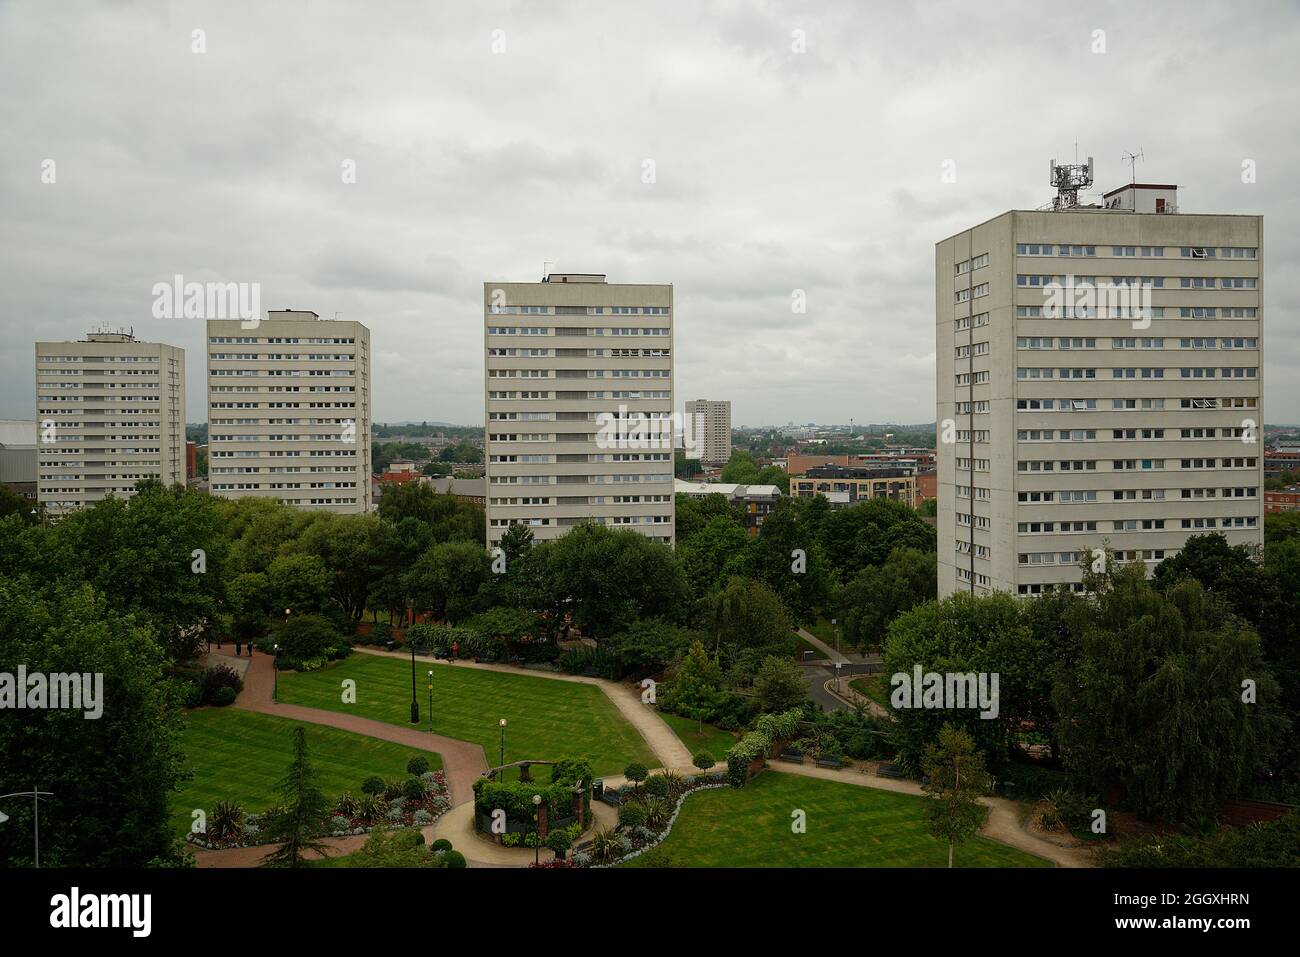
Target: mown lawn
875, 687
241, 756
546, 718
847, 826
714, 740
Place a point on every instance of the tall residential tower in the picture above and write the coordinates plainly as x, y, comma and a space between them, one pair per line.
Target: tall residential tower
1100, 377
289, 409
575, 366
110, 411
710, 425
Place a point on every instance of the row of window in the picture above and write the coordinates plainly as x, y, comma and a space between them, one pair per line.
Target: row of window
579, 310
1124, 312
1130, 465
1089, 496
1186, 252
598, 331
279, 340
1130, 342
1091, 405
1150, 372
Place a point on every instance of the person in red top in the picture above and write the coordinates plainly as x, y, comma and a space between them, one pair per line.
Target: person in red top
455, 649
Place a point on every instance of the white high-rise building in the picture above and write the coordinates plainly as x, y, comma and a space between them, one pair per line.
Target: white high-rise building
710, 422
110, 411
289, 410
1100, 377
569, 359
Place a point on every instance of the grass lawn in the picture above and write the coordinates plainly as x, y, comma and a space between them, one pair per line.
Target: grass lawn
546, 719
714, 740
241, 756
875, 687
847, 826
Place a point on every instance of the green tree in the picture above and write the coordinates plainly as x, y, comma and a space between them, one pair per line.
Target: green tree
694, 689
748, 616
111, 777
694, 512
299, 826
445, 581
299, 582
11, 503
956, 780
1156, 704
779, 685
714, 554
879, 593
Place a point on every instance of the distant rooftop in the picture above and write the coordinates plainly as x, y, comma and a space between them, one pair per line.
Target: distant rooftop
574, 277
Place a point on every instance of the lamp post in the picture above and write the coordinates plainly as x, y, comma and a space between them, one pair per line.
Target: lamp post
431, 701
839, 682
275, 670
36, 796
415, 705
537, 828
502, 762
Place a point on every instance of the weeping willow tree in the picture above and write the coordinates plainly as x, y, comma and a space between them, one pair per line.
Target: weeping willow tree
1170, 700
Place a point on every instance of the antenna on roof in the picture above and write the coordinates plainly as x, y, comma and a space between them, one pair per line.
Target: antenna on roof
1068, 180
1131, 159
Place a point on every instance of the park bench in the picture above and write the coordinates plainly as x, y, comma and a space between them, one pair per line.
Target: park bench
829, 763
889, 771
791, 755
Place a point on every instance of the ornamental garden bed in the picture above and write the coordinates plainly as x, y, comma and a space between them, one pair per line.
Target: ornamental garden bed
416, 801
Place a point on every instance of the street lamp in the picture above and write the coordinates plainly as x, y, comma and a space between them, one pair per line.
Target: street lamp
839, 682
537, 828
36, 797
415, 705
275, 668
431, 701
502, 762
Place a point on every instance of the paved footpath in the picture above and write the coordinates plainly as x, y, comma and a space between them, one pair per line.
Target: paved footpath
462, 761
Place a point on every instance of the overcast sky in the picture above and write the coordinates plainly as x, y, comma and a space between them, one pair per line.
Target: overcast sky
775, 170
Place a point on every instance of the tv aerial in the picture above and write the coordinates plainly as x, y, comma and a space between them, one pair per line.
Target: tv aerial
1131, 159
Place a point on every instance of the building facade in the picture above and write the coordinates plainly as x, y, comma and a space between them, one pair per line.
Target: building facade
579, 399
289, 410
710, 422
110, 412
18, 457
1100, 378
754, 501
844, 486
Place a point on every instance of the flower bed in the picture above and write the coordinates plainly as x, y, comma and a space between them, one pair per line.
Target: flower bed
635, 840
385, 810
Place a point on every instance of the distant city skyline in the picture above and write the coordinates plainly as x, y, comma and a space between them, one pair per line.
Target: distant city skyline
674, 143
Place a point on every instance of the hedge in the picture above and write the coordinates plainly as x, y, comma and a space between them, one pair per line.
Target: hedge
768, 729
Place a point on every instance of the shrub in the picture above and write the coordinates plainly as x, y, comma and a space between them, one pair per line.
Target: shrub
227, 821
369, 808
218, 677
305, 642
373, 785
346, 805
657, 813
414, 789
582, 859
339, 823
392, 789
441, 844
417, 765
559, 841
703, 760
636, 773
191, 694
657, 786
422, 817
453, 859
604, 844
381, 632
396, 815
631, 815
676, 783
223, 696
768, 729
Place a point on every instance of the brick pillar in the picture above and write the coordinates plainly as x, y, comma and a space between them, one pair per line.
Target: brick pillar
578, 811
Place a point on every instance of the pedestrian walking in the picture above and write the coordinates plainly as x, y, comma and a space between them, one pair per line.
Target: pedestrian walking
239, 648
